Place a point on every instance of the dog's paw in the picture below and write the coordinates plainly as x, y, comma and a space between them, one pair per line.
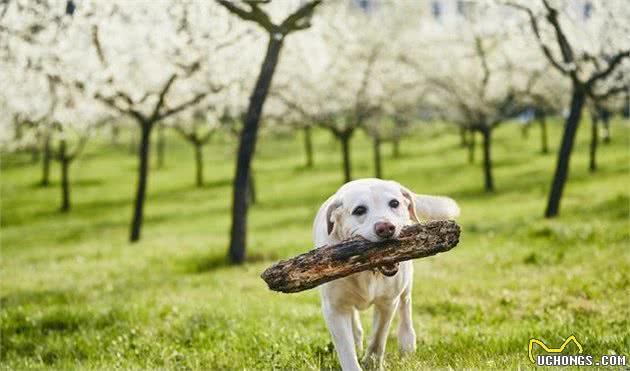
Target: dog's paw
372, 362
407, 341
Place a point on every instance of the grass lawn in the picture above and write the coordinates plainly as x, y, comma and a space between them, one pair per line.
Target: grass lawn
76, 295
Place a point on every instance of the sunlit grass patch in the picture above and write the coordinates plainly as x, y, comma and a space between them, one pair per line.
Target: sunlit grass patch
76, 295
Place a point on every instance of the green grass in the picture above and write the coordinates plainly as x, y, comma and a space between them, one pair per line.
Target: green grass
75, 294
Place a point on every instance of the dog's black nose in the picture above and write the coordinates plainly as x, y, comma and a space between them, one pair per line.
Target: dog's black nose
384, 229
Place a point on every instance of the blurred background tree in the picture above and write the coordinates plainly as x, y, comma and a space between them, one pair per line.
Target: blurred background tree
199, 69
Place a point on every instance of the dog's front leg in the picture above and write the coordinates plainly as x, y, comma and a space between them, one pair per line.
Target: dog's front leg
357, 331
406, 333
383, 314
339, 322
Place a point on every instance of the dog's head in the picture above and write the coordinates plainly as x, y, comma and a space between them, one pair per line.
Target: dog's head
371, 208
377, 210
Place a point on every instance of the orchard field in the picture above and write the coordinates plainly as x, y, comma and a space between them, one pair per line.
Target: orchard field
75, 294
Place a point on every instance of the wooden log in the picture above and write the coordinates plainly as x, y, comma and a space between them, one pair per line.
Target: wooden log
328, 263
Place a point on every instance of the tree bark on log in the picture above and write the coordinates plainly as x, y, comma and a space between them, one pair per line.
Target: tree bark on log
328, 263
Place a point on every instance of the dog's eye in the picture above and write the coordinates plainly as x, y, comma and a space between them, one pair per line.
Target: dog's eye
394, 203
359, 210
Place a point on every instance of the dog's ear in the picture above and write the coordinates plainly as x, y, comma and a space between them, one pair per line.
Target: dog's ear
330, 224
411, 203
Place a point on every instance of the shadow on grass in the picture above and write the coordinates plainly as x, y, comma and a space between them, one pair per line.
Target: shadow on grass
53, 184
89, 209
38, 297
212, 263
215, 184
617, 207
529, 181
302, 168
33, 336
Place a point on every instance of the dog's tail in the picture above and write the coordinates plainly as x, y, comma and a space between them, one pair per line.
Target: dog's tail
436, 207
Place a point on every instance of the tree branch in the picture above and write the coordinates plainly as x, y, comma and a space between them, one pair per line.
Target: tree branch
205, 138
608, 93
162, 96
80, 146
545, 49
254, 14
294, 106
481, 53
189, 136
612, 64
98, 46
191, 102
563, 42
300, 19
111, 102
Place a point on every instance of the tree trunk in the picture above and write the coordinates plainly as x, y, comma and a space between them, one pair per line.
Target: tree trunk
143, 174
199, 164
378, 169
396, 148
471, 146
133, 142
161, 144
46, 159
543, 134
308, 146
17, 128
525, 130
251, 188
247, 146
487, 159
64, 161
115, 135
345, 153
564, 153
592, 163
463, 140
34, 154
606, 126
626, 104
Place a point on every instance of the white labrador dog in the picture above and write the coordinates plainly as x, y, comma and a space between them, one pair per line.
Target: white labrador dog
374, 209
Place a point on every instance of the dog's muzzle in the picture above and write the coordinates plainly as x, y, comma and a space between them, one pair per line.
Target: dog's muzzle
391, 269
